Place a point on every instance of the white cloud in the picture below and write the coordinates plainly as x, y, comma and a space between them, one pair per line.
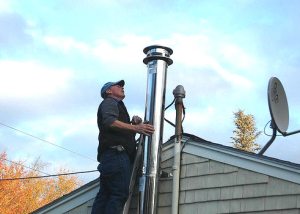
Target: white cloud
126, 50
66, 44
235, 79
198, 55
82, 124
195, 51
191, 51
23, 79
5, 6
199, 51
54, 132
60, 127
236, 56
200, 118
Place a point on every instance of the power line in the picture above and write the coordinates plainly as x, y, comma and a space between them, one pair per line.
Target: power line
25, 166
46, 141
46, 176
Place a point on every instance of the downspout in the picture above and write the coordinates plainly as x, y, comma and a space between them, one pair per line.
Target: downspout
157, 61
179, 94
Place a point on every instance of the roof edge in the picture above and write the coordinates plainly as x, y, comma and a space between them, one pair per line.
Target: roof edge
258, 163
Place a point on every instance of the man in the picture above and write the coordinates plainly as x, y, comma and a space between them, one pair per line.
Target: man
116, 150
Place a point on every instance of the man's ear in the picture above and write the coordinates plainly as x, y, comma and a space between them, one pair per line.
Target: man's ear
108, 91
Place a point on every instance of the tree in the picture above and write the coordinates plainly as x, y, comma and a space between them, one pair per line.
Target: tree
25, 196
245, 133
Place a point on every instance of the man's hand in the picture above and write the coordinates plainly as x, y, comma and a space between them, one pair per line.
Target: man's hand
145, 129
136, 120
141, 128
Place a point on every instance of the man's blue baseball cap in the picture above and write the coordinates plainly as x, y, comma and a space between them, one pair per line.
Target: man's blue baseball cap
107, 85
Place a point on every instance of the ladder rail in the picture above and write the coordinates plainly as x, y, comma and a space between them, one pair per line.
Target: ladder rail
134, 174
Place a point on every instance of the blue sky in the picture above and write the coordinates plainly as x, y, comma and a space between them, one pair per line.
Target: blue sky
56, 55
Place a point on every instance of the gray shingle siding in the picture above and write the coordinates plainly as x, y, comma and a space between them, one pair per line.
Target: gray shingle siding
209, 186
85, 208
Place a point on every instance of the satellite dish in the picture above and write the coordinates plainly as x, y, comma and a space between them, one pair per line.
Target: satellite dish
278, 105
279, 111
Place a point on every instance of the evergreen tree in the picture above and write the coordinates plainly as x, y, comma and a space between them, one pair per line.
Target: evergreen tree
245, 133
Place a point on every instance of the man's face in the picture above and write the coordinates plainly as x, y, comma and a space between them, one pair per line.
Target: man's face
116, 91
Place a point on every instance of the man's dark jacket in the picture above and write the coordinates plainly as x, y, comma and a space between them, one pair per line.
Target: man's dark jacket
110, 110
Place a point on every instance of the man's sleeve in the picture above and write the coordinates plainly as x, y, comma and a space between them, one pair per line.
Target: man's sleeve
110, 112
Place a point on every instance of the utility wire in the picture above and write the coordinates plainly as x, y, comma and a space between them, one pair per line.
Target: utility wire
170, 104
46, 141
265, 132
168, 121
266, 127
25, 166
46, 176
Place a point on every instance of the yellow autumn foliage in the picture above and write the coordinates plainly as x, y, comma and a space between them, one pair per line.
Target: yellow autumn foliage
245, 133
25, 196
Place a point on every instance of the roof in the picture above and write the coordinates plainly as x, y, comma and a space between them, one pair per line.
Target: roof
259, 163
86, 192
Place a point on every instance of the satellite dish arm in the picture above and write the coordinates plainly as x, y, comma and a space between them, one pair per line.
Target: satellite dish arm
290, 133
262, 151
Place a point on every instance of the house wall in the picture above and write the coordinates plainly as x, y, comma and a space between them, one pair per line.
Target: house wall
79, 201
85, 208
208, 186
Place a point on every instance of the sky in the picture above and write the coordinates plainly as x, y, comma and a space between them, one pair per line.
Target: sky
56, 55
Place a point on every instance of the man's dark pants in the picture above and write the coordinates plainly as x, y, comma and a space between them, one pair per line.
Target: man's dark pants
115, 172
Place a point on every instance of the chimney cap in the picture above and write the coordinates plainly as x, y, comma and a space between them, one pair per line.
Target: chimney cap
179, 92
146, 49
155, 52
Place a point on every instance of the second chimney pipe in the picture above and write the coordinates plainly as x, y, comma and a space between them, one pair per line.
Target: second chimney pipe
179, 94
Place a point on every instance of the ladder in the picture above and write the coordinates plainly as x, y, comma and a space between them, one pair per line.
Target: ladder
135, 169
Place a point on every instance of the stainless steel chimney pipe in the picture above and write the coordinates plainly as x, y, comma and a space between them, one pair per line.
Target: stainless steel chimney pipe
157, 61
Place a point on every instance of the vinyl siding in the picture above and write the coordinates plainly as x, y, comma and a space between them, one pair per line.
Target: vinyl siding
208, 186
85, 208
